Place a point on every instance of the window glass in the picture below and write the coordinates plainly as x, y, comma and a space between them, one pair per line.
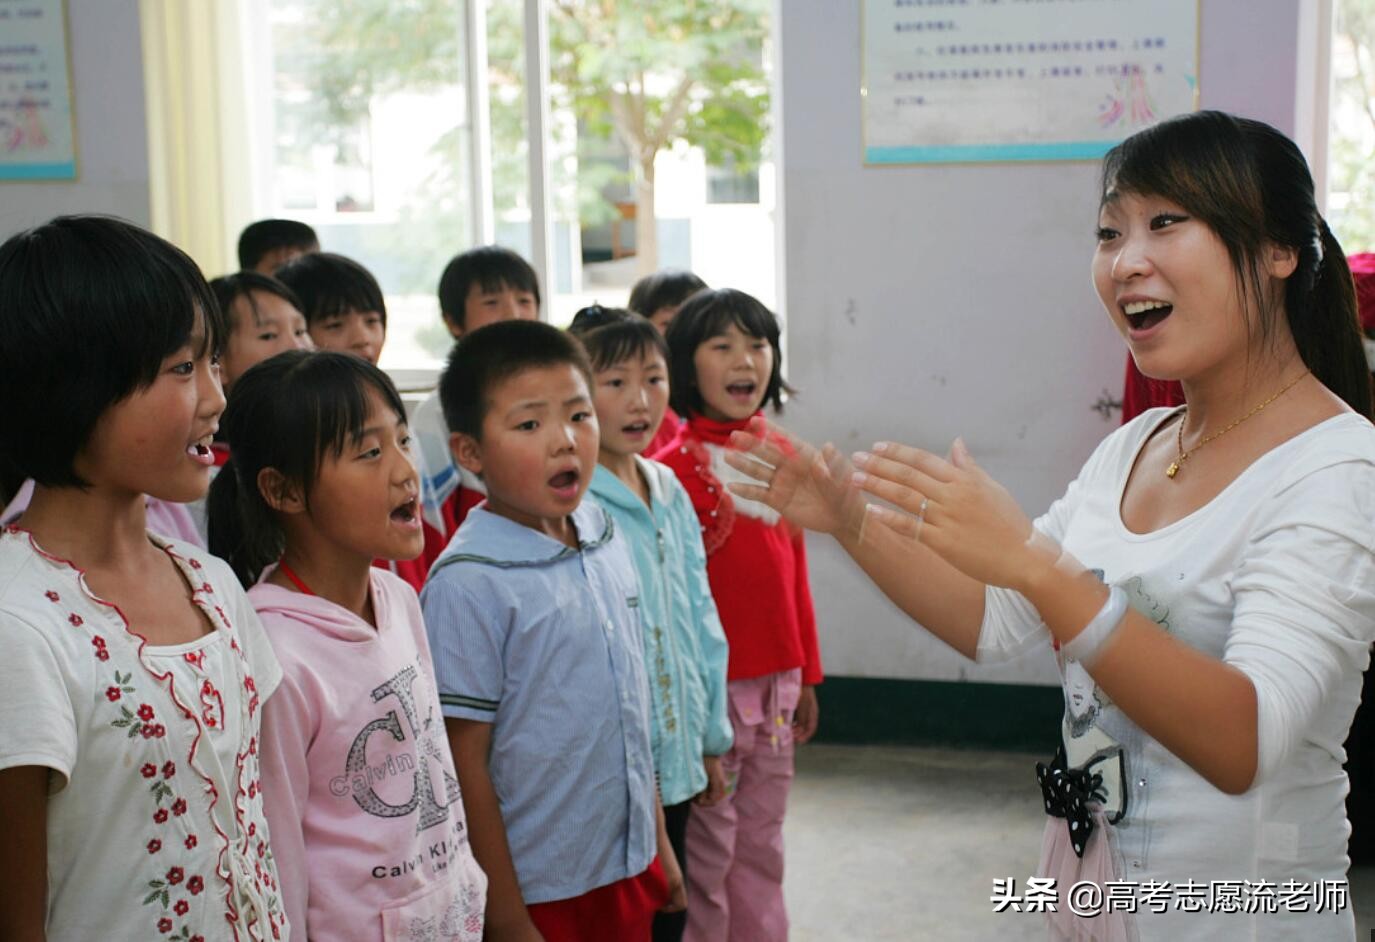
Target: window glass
1351, 173
371, 144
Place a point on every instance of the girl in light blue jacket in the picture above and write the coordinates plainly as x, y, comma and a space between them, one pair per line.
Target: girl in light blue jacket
685, 648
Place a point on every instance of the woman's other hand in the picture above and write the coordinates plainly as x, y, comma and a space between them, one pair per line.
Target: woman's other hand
807, 486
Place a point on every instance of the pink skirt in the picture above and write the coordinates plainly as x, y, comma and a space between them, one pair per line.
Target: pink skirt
1098, 865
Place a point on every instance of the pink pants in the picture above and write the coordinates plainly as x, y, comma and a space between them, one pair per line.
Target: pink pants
735, 849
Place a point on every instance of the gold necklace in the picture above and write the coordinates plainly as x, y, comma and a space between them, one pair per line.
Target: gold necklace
1183, 455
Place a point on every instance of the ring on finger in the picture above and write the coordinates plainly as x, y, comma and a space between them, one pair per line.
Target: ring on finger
921, 518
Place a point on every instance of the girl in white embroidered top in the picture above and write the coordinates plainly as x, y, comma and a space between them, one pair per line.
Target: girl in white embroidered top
134, 669
1211, 681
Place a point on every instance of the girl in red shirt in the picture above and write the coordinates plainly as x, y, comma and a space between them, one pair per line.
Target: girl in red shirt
725, 365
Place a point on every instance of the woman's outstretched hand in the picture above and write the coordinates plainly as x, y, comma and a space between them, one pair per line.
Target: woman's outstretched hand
955, 509
810, 488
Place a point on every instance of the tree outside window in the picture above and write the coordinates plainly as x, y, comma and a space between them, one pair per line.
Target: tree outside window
1351, 196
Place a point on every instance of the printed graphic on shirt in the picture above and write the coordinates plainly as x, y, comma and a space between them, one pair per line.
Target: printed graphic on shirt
423, 762
1087, 744
442, 916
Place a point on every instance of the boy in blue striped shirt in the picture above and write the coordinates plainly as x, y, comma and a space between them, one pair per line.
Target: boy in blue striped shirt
532, 618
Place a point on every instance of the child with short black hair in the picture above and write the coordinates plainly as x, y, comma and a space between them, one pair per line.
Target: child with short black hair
342, 303
532, 617
268, 244
725, 364
134, 667
263, 318
485, 285
479, 287
657, 298
360, 789
685, 649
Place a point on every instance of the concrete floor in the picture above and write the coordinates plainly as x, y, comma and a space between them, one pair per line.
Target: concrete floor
891, 844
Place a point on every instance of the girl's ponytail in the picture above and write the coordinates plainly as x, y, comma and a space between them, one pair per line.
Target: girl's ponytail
242, 529
1325, 323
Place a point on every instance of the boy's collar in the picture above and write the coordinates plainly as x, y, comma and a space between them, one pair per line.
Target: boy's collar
494, 540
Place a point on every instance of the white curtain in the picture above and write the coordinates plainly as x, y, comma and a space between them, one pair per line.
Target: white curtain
199, 129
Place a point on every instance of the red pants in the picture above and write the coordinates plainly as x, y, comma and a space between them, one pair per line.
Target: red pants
618, 912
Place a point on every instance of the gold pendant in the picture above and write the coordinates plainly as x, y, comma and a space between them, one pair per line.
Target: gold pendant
1172, 470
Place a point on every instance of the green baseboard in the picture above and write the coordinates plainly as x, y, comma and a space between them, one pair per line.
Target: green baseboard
872, 711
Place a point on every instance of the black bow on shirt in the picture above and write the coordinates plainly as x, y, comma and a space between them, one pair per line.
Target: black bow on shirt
1067, 792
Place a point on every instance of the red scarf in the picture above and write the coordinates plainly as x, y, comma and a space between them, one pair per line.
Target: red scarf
718, 433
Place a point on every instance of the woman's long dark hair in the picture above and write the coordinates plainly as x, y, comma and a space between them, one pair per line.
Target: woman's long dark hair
289, 413
1250, 184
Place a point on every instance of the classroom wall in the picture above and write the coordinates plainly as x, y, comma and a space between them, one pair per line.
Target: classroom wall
928, 302
921, 302
111, 128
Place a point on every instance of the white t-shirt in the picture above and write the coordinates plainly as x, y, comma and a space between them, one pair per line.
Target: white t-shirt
155, 820
1276, 577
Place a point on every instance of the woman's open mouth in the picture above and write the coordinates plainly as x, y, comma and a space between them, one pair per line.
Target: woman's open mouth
1143, 315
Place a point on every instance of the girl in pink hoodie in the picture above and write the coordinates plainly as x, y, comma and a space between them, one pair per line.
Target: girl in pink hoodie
358, 784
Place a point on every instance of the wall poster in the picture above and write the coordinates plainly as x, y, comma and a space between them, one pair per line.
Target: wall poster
997, 80
37, 141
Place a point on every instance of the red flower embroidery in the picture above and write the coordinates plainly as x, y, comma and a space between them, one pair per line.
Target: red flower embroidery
160, 816
191, 842
179, 807
102, 655
195, 885
210, 721
248, 683
53, 596
159, 730
112, 694
207, 689
154, 846
252, 789
200, 938
205, 587
194, 563
149, 770
168, 769
147, 730
252, 828
175, 875
164, 925
75, 619
145, 713
182, 907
